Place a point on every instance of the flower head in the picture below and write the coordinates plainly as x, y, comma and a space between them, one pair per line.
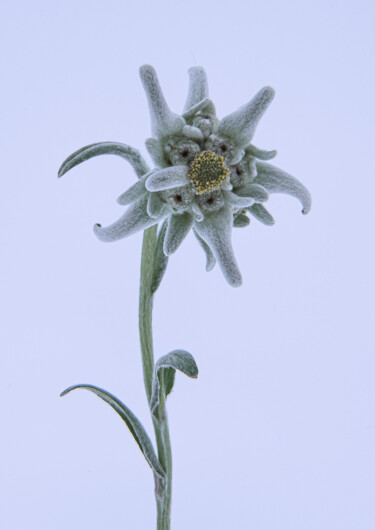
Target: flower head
207, 176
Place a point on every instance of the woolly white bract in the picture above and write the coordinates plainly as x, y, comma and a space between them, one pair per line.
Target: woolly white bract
207, 176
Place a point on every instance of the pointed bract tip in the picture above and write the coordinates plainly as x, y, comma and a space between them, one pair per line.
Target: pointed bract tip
97, 228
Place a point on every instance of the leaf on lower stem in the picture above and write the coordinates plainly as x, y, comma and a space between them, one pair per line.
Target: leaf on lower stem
132, 422
165, 370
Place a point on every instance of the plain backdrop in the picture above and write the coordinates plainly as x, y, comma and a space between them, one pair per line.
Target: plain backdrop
278, 432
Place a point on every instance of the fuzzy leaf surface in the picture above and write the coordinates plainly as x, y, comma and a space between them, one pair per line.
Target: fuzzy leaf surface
165, 370
132, 422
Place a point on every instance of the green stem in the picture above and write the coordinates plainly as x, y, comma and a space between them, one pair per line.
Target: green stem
163, 489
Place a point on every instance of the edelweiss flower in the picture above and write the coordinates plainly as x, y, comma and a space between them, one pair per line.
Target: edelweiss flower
208, 176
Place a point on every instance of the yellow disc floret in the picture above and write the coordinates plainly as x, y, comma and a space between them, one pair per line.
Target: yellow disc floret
208, 172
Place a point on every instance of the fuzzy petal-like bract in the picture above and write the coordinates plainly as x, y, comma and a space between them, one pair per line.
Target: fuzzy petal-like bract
198, 87
260, 213
155, 150
133, 220
178, 227
130, 154
167, 178
256, 191
276, 180
240, 125
133, 193
164, 122
216, 231
260, 153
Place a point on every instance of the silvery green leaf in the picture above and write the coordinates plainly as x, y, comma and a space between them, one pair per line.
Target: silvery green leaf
276, 180
130, 154
133, 193
241, 220
240, 125
167, 178
164, 373
155, 150
237, 201
155, 205
178, 227
260, 213
201, 105
164, 122
260, 153
210, 258
216, 231
256, 191
161, 260
132, 422
133, 220
198, 87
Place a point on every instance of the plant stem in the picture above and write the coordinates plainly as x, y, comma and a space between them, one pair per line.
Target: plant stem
163, 488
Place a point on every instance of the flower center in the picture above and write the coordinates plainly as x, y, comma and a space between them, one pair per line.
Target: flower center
208, 172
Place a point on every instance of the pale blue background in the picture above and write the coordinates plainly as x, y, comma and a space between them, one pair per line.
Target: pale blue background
278, 432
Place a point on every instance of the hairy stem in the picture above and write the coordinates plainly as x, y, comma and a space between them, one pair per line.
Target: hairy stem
163, 488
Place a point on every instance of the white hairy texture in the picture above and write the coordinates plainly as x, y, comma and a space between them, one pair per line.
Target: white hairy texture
210, 258
260, 153
130, 154
155, 150
199, 216
167, 178
134, 219
164, 122
216, 231
133, 193
237, 202
201, 105
155, 205
198, 87
260, 213
178, 227
256, 191
276, 180
240, 125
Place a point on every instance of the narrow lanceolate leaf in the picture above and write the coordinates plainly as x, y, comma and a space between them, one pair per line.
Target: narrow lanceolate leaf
161, 260
165, 370
130, 154
132, 422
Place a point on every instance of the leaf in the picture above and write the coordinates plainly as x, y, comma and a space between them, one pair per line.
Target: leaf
132, 422
161, 260
165, 370
130, 154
